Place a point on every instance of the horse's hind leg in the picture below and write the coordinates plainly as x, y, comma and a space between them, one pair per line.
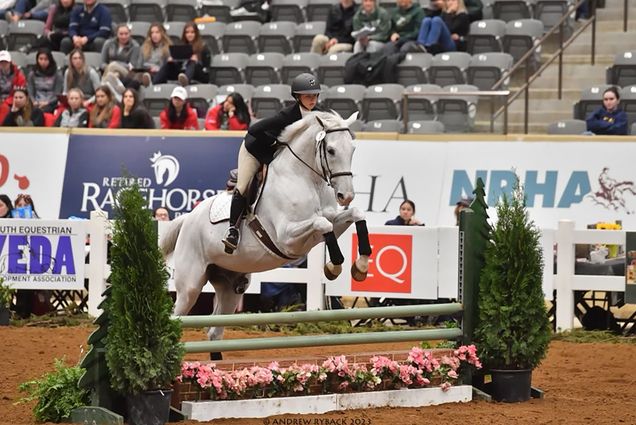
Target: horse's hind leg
226, 299
189, 283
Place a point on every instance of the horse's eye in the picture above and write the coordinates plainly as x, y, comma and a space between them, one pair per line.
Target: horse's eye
331, 151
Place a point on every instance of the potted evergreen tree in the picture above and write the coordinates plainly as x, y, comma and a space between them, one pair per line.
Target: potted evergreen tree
143, 349
6, 296
513, 329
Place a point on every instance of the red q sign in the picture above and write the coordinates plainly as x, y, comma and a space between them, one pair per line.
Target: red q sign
389, 265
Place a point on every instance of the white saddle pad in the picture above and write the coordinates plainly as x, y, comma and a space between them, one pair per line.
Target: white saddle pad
220, 207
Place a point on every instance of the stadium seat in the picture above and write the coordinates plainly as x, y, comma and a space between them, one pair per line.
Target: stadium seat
550, 13
20, 59
118, 10
305, 34
60, 59
485, 69
331, 68
591, 98
276, 37
245, 90
200, 96
422, 108
413, 69
356, 126
382, 101
457, 113
241, 37
156, 97
228, 68
344, 99
297, 63
521, 36
486, 36
449, 68
288, 10
264, 68
24, 33
93, 59
147, 10
219, 9
4, 30
181, 10
382, 126
628, 103
425, 127
139, 30
567, 127
212, 33
268, 99
623, 71
174, 29
318, 10
512, 10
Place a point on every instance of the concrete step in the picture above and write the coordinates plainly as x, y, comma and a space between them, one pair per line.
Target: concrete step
607, 43
615, 13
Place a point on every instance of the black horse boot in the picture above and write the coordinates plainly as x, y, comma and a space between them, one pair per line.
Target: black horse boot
232, 236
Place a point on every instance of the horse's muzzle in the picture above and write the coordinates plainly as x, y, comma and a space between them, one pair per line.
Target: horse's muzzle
344, 199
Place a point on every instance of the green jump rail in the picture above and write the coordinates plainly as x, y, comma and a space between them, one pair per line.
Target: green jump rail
318, 316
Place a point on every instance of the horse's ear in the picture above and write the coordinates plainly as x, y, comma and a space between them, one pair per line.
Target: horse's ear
322, 124
352, 118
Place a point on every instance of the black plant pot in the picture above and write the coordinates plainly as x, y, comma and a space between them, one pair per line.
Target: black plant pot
5, 316
149, 408
511, 386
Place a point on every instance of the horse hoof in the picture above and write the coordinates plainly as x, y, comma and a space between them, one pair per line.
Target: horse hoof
331, 273
357, 274
216, 356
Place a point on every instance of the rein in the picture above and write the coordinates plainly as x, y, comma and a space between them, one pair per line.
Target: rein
326, 174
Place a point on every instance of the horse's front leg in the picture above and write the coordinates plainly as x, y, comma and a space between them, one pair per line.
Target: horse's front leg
341, 221
226, 299
321, 226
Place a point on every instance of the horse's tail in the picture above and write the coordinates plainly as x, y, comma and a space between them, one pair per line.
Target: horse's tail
169, 239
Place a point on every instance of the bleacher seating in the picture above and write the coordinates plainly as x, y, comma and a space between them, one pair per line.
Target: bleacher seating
457, 113
212, 33
23, 33
591, 98
383, 126
241, 37
288, 10
449, 68
277, 37
344, 99
118, 10
264, 68
245, 90
200, 95
156, 97
220, 10
174, 29
512, 10
425, 127
382, 101
268, 99
623, 71
628, 103
297, 63
305, 33
486, 36
567, 127
147, 10
485, 69
413, 69
422, 108
139, 30
331, 68
181, 10
521, 35
4, 31
318, 10
228, 68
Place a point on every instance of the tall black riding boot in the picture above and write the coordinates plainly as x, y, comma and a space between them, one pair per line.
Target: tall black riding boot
232, 237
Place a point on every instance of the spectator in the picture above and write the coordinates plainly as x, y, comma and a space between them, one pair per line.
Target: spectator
133, 114
10, 77
6, 206
5, 6
22, 112
105, 114
405, 24
161, 214
74, 114
154, 52
337, 37
474, 9
178, 115
121, 55
445, 33
434, 8
25, 202
406, 218
609, 119
57, 22
231, 114
90, 27
80, 76
29, 9
459, 206
194, 68
371, 16
45, 81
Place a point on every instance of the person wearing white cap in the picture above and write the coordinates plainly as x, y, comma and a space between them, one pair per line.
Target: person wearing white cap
178, 115
10, 77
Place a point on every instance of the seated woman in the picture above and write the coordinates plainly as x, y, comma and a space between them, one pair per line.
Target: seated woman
80, 76
154, 52
25, 201
194, 68
133, 114
445, 33
23, 113
120, 55
45, 81
231, 114
105, 114
609, 119
179, 115
57, 22
74, 115
406, 218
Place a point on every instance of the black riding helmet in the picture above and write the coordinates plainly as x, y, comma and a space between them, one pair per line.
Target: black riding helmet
305, 83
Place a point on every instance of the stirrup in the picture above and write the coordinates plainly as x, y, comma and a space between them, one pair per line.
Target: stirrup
231, 240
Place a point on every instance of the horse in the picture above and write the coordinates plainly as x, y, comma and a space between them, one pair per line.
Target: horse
308, 179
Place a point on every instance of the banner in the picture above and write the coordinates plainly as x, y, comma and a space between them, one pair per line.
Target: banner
174, 172
42, 254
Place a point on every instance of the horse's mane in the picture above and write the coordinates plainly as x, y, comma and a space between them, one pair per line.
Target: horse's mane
330, 119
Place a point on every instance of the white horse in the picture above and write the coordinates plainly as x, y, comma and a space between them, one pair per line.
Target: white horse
298, 208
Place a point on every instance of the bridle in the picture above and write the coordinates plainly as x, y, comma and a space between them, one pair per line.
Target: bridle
327, 175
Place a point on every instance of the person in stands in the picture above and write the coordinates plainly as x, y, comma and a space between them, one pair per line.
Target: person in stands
120, 55
10, 77
45, 81
29, 9
57, 22
406, 19
377, 21
133, 114
179, 115
6, 206
89, 29
105, 114
609, 119
74, 114
337, 36
406, 217
161, 214
445, 33
22, 112
154, 52
231, 114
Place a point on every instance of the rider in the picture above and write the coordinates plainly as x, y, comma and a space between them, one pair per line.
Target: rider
260, 144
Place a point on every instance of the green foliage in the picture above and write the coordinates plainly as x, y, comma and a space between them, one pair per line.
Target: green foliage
581, 336
57, 393
143, 349
513, 330
6, 294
